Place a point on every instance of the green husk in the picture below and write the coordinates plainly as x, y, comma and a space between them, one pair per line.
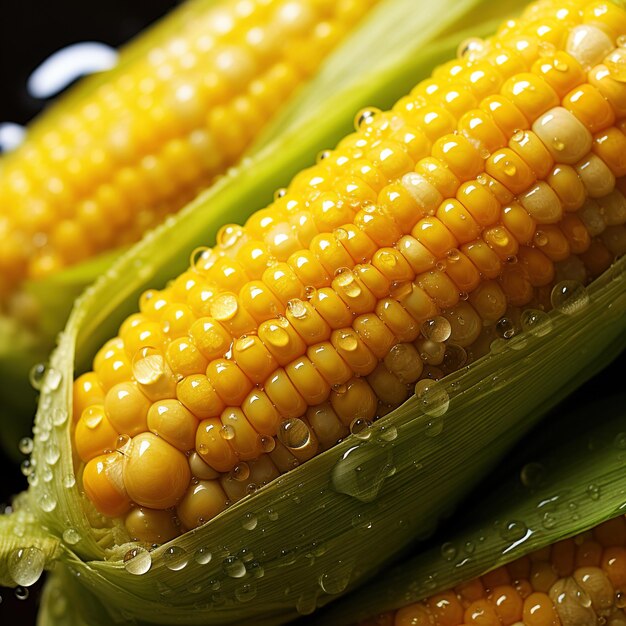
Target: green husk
350, 79
555, 488
319, 528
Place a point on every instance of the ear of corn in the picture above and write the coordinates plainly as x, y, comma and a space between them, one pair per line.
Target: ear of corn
549, 537
126, 149
325, 497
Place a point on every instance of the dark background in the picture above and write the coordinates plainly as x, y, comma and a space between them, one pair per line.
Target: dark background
31, 30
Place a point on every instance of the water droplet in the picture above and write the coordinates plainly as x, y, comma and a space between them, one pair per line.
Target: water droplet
297, 308
227, 432
27, 467
434, 427
448, 551
36, 375
47, 503
272, 514
569, 297
532, 475
137, 561
71, 536
59, 416
540, 238
593, 491
202, 556
280, 193
620, 600
25, 565
233, 567
240, 472
362, 470
549, 520
51, 453
513, 530
337, 578
387, 433
294, 433
175, 558
361, 428
432, 397
249, 521
437, 329
306, 604
148, 366
53, 379
26, 445
505, 327
267, 443
246, 592
21, 593
537, 323
365, 117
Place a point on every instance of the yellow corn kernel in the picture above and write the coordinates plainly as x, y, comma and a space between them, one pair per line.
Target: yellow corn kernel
87, 390
104, 486
94, 434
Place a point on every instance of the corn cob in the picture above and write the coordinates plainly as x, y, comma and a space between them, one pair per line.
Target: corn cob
581, 580
140, 146
480, 200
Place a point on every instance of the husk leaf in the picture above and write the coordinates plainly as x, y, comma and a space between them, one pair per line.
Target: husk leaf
578, 465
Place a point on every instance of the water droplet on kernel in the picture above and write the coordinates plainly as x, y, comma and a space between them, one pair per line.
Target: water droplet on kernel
437, 329
294, 433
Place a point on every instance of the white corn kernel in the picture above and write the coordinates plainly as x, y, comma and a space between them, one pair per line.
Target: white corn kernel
567, 139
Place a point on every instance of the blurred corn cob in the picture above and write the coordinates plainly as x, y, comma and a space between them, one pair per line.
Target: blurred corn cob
484, 198
576, 581
118, 158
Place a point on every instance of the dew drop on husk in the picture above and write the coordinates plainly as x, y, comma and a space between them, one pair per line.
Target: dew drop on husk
25, 565
337, 578
432, 397
362, 470
536, 322
233, 567
36, 375
175, 558
569, 297
202, 556
246, 592
26, 445
137, 561
71, 536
